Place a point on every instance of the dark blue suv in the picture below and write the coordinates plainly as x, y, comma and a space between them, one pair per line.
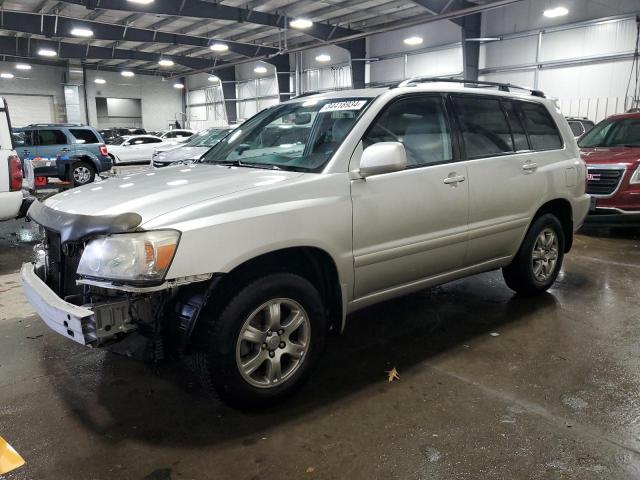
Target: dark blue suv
72, 152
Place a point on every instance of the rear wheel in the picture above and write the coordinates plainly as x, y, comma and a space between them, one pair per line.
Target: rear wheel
82, 173
538, 262
265, 343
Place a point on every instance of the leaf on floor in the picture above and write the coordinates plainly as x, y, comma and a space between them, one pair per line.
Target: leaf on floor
393, 374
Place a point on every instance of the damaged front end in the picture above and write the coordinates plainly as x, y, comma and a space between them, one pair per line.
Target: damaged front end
92, 311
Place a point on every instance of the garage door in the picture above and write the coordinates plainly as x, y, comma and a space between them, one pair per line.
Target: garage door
28, 109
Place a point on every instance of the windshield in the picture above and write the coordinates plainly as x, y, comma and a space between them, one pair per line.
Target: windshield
300, 136
613, 133
207, 138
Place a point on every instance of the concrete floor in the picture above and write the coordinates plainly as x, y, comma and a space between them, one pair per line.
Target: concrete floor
554, 395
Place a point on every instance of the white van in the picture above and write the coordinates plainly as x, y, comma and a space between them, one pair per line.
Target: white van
11, 196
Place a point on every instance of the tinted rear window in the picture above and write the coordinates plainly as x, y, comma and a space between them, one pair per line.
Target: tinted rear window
84, 136
542, 129
484, 127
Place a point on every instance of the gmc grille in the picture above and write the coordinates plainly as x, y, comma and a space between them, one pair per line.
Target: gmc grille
603, 181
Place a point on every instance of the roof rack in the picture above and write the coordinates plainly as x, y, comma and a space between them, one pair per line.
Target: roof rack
56, 125
503, 87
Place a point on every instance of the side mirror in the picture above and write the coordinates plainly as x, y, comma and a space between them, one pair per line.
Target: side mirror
383, 157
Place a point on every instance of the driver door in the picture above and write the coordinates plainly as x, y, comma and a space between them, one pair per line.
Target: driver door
411, 225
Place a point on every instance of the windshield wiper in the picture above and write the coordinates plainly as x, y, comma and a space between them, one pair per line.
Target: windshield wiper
238, 163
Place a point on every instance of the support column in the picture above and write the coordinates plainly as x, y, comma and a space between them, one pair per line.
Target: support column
471, 28
228, 78
283, 74
358, 51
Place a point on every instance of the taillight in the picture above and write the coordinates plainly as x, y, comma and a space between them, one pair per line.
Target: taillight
103, 150
15, 173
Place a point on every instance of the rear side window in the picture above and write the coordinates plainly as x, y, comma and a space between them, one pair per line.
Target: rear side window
514, 115
52, 137
484, 127
542, 129
83, 135
576, 128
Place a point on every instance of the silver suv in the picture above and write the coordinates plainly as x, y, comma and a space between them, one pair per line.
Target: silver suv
311, 210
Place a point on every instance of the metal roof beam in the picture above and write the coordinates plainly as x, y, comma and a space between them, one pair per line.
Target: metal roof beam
214, 11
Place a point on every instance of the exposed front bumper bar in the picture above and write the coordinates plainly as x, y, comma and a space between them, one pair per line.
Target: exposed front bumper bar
613, 217
65, 318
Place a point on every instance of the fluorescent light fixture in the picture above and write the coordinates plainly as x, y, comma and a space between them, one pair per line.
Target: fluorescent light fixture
413, 41
141, 2
100, 81
301, 23
482, 39
179, 86
6, 75
555, 12
323, 57
260, 69
127, 73
219, 47
23, 66
47, 52
82, 32
165, 62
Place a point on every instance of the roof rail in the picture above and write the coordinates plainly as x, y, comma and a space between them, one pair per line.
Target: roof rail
503, 87
56, 125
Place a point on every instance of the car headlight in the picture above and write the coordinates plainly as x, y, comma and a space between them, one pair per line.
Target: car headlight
635, 178
134, 257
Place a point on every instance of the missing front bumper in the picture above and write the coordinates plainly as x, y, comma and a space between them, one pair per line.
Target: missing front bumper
91, 325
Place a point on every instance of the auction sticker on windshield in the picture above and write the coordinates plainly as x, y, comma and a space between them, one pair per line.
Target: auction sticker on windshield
347, 105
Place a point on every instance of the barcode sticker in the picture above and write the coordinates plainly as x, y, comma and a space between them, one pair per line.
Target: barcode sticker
347, 105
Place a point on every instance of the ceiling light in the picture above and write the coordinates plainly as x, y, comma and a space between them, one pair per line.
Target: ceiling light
47, 52
165, 62
23, 66
260, 69
482, 39
100, 81
6, 75
219, 47
82, 32
323, 57
178, 86
213, 79
301, 23
127, 73
413, 41
555, 12
141, 2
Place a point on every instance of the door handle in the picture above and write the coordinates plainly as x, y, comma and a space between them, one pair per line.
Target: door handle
66, 150
454, 180
529, 167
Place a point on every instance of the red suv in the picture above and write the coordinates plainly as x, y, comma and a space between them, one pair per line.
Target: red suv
612, 153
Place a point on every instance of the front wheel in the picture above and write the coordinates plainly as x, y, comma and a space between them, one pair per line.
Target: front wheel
266, 341
538, 262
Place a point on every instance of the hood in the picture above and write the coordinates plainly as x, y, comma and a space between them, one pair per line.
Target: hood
629, 156
157, 192
180, 153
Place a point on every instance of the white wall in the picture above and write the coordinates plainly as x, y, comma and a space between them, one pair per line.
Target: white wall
161, 103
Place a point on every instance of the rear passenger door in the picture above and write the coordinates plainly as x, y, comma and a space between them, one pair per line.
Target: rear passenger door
502, 139
412, 224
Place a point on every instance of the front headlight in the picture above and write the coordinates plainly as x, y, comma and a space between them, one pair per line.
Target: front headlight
134, 257
635, 178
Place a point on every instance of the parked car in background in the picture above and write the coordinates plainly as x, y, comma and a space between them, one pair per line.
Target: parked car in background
110, 134
72, 152
13, 202
579, 125
177, 135
191, 150
611, 151
134, 149
249, 259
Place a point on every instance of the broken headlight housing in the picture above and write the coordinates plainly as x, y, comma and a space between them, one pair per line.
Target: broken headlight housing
143, 257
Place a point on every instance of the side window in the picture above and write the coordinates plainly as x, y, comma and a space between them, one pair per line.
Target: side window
484, 127
171, 135
84, 136
51, 137
542, 130
24, 138
514, 116
420, 124
153, 140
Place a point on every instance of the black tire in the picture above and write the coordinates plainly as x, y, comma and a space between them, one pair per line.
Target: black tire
88, 173
216, 363
519, 275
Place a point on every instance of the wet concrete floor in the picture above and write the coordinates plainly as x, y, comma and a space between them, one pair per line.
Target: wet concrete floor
491, 386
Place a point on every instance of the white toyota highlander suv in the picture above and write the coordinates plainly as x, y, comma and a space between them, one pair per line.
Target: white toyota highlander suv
248, 259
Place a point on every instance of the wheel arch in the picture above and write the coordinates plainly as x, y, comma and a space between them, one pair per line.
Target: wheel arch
311, 263
561, 208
